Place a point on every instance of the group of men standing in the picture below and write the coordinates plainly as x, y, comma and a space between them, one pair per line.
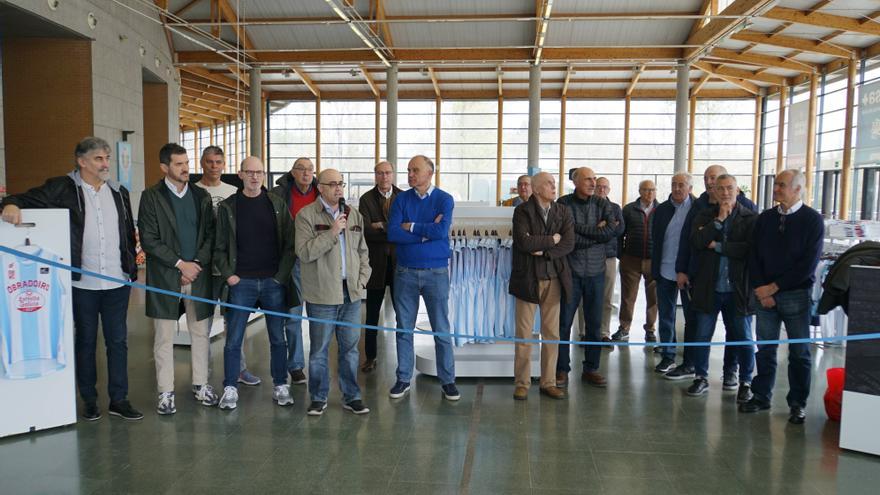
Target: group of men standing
714, 253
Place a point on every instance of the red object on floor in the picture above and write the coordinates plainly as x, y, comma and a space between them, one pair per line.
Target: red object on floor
834, 392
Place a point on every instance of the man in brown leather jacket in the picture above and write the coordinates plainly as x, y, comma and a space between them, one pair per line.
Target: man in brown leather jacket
543, 235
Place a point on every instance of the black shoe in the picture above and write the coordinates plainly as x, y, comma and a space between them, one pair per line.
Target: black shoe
297, 377
620, 336
450, 392
698, 388
356, 406
650, 337
123, 409
729, 382
797, 415
666, 365
316, 408
753, 406
91, 411
744, 394
680, 373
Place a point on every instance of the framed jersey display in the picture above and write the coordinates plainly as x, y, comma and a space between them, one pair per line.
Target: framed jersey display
36, 325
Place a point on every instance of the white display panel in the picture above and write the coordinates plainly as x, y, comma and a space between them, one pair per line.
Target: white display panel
37, 380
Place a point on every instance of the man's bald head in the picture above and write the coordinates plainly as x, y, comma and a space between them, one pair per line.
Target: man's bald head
330, 186
544, 187
584, 181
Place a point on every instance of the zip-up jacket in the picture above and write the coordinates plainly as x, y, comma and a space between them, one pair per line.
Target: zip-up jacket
588, 257
532, 234
612, 246
66, 192
662, 217
285, 183
684, 262
225, 251
636, 239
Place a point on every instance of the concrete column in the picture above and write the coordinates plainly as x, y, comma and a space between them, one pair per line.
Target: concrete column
681, 117
534, 164
255, 104
391, 111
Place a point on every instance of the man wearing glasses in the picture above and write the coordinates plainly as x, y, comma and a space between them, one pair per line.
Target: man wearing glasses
335, 268
298, 189
375, 206
788, 240
254, 255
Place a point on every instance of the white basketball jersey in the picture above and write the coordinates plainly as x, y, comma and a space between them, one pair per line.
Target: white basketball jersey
32, 311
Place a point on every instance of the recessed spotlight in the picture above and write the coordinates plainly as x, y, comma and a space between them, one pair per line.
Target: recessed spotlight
142, 50
92, 20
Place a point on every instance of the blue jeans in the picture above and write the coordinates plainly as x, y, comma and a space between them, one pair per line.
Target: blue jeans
737, 328
320, 335
293, 327
112, 307
793, 309
590, 291
249, 292
433, 285
667, 295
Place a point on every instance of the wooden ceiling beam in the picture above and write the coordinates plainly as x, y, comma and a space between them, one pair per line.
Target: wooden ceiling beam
800, 44
202, 111
744, 74
635, 79
229, 13
762, 60
185, 8
702, 82
567, 81
870, 17
373, 86
242, 76
308, 82
211, 76
742, 83
822, 19
223, 93
434, 81
715, 29
521, 94
208, 98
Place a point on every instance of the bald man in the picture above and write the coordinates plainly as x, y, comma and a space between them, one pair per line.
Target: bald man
335, 262
543, 235
375, 205
254, 255
635, 262
593, 226
419, 227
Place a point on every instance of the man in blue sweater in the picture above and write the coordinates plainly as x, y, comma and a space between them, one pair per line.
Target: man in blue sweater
787, 244
419, 227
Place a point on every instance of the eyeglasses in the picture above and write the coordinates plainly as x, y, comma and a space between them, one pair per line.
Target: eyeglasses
333, 184
384, 173
303, 169
253, 173
647, 190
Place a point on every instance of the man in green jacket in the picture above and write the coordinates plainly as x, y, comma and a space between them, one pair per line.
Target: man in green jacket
176, 225
254, 254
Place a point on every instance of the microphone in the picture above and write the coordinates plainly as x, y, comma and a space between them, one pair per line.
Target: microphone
342, 207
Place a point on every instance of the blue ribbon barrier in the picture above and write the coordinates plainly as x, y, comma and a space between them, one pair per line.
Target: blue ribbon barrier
486, 339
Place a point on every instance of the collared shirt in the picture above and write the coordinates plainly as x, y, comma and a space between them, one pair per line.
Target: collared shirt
791, 211
671, 238
427, 193
545, 212
100, 248
386, 195
722, 284
173, 188
335, 215
646, 208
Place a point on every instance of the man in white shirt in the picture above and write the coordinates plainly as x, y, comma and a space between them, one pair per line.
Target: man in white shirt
213, 163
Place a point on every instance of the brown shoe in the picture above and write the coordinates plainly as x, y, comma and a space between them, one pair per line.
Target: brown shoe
553, 392
369, 365
561, 379
521, 393
594, 378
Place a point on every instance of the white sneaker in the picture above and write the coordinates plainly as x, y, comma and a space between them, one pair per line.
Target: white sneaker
229, 399
166, 404
281, 395
205, 395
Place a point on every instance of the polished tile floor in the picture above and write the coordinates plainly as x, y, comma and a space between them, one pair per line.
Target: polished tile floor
640, 435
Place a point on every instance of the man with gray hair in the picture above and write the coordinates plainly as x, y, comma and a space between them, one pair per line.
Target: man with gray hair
603, 188
668, 223
523, 191
100, 222
788, 240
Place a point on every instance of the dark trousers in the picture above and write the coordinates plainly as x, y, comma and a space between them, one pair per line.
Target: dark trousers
591, 292
730, 366
374, 306
667, 295
112, 307
737, 328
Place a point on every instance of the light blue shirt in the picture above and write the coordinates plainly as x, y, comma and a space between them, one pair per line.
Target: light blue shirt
672, 237
335, 215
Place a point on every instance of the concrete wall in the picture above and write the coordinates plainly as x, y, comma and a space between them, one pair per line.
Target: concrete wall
117, 70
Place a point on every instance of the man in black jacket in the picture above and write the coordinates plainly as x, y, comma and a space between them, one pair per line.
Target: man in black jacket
635, 262
593, 226
603, 188
101, 226
721, 237
374, 206
669, 221
543, 234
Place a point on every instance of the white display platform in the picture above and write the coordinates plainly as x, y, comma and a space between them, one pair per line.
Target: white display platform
47, 400
474, 360
217, 327
858, 423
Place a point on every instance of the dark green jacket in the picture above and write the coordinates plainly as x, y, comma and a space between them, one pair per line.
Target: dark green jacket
158, 233
225, 255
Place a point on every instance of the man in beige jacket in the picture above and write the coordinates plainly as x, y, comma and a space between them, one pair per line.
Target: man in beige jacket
335, 268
